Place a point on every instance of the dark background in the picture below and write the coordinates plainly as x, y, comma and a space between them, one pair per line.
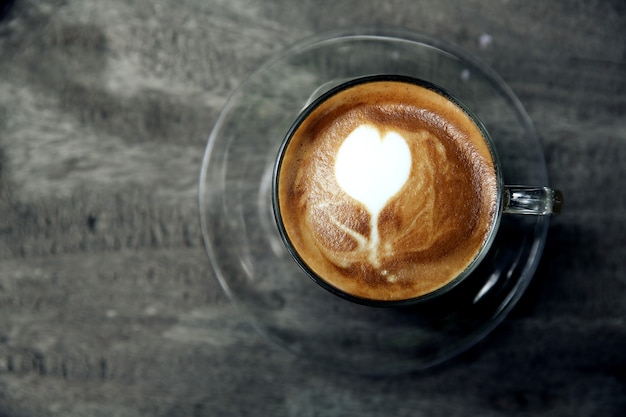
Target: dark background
108, 306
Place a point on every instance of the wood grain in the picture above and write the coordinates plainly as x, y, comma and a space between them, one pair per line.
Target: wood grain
108, 305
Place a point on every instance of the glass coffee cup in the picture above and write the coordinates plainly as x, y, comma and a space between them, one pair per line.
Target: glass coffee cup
388, 191
258, 273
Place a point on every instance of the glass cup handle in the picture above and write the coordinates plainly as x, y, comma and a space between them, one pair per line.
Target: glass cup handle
539, 201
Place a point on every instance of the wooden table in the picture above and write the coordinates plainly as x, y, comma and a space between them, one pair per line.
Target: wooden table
108, 305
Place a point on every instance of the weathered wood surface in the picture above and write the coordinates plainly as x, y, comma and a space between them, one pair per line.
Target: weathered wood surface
108, 306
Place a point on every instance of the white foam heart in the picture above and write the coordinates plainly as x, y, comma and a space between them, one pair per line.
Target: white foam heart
372, 168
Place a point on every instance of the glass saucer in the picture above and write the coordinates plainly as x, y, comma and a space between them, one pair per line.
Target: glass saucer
258, 274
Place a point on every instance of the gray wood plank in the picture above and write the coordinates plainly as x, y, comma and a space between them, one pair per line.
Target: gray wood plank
108, 305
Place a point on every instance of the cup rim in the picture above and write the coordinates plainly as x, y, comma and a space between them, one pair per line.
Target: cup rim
487, 243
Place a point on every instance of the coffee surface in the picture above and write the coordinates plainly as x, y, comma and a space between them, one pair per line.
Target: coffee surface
387, 190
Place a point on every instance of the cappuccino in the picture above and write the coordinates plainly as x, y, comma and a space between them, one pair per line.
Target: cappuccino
386, 189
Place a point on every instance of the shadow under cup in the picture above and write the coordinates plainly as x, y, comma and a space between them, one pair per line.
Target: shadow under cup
506, 199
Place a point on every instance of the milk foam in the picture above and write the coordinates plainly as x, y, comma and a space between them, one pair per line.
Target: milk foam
387, 190
372, 168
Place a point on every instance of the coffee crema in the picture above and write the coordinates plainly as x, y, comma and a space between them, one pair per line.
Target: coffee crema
386, 189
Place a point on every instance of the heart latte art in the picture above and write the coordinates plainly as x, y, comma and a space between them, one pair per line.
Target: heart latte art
371, 170
386, 190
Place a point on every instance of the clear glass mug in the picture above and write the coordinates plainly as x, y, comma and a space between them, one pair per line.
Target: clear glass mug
509, 199
258, 274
